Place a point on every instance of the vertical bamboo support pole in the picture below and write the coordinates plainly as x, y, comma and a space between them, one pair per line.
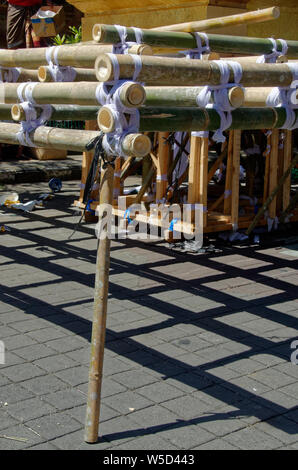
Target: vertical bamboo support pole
273, 170
99, 315
194, 170
280, 170
117, 180
235, 178
267, 169
203, 181
162, 165
86, 161
229, 172
286, 164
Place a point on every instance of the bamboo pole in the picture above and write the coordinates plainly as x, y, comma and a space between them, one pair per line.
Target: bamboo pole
99, 313
74, 56
5, 112
177, 72
23, 75
203, 181
286, 163
235, 178
272, 195
82, 75
69, 139
162, 165
229, 173
108, 34
186, 96
257, 97
86, 161
59, 112
273, 170
84, 93
257, 16
254, 59
197, 119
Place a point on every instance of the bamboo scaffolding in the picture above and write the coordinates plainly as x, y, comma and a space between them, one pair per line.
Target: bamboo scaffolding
258, 16
70, 139
197, 119
176, 72
84, 93
108, 34
257, 97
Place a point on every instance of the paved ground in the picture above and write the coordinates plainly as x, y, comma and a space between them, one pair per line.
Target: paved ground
198, 347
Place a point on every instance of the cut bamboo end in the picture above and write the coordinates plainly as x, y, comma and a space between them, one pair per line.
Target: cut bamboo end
236, 96
97, 32
211, 56
18, 113
132, 94
275, 12
141, 49
138, 145
44, 75
104, 69
105, 120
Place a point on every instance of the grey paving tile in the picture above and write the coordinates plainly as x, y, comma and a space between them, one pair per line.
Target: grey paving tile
22, 372
252, 439
65, 399
31, 408
19, 437
44, 384
127, 402
54, 425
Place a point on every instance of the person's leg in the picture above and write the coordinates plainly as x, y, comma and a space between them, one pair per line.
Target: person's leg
16, 21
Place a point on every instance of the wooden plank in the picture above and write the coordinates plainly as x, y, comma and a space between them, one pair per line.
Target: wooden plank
162, 165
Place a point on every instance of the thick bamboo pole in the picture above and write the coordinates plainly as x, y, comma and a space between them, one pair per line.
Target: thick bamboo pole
108, 34
163, 156
5, 112
176, 72
257, 97
257, 16
23, 75
66, 55
68, 139
59, 112
99, 313
273, 170
84, 93
82, 75
235, 178
229, 173
186, 96
197, 119
254, 59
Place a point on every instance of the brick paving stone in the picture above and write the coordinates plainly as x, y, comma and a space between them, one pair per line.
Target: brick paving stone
160, 392
22, 372
22, 432
134, 379
65, 399
252, 439
56, 363
216, 444
75, 441
54, 425
74, 375
14, 393
273, 378
6, 420
185, 436
35, 351
128, 402
281, 428
26, 410
44, 384
150, 442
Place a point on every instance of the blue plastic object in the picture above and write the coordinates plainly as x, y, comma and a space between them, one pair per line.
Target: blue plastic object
55, 185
